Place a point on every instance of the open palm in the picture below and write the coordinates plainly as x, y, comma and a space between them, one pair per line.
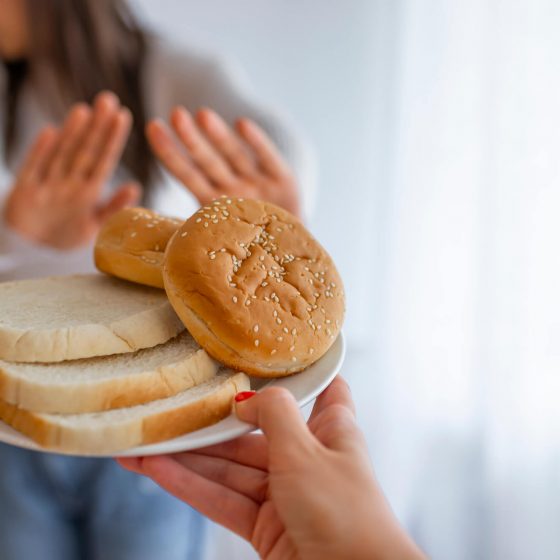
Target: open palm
56, 197
213, 159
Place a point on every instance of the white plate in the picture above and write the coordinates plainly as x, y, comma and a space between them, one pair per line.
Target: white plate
305, 386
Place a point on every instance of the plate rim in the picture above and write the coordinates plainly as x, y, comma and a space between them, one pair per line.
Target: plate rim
176, 445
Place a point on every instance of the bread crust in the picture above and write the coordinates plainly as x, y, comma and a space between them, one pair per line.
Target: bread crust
150, 321
76, 439
188, 368
131, 245
254, 287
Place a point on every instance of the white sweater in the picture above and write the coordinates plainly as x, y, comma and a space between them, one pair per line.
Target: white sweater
172, 77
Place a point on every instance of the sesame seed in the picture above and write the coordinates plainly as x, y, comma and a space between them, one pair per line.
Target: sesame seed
311, 350
234, 298
257, 342
279, 338
285, 329
264, 284
247, 302
205, 224
184, 234
294, 332
198, 220
212, 257
292, 348
294, 359
150, 226
214, 221
278, 320
256, 328
273, 351
133, 234
275, 313
207, 216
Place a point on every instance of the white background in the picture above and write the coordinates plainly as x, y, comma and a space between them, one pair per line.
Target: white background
437, 125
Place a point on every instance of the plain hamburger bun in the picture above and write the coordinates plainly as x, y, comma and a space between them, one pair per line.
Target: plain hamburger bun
254, 287
72, 317
131, 245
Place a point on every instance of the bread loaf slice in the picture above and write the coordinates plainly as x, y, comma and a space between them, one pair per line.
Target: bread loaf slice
104, 383
72, 317
116, 430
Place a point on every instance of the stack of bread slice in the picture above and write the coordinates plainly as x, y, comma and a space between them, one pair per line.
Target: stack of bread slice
91, 364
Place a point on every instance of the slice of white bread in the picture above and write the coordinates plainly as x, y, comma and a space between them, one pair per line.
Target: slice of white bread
115, 430
72, 317
104, 383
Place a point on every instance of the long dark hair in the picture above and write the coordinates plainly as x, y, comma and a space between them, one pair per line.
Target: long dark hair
78, 48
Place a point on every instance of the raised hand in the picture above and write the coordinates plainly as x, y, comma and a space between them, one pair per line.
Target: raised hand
56, 197
298, 491
212, 159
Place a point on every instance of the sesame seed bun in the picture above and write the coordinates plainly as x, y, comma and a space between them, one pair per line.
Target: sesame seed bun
131, 245
254, 287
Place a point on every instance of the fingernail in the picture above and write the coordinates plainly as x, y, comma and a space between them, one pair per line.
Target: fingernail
244, 395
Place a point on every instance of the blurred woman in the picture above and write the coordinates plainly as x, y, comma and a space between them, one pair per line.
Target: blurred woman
80, 82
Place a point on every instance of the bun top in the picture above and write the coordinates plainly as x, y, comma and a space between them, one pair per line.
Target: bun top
139, 231
131, 245
258, 281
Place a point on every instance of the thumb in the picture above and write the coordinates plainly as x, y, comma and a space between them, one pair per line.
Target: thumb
275, 411
127, 195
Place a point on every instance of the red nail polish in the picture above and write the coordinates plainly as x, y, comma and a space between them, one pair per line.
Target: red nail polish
244, 395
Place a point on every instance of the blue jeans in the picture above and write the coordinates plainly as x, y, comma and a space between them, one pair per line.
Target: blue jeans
69, 508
